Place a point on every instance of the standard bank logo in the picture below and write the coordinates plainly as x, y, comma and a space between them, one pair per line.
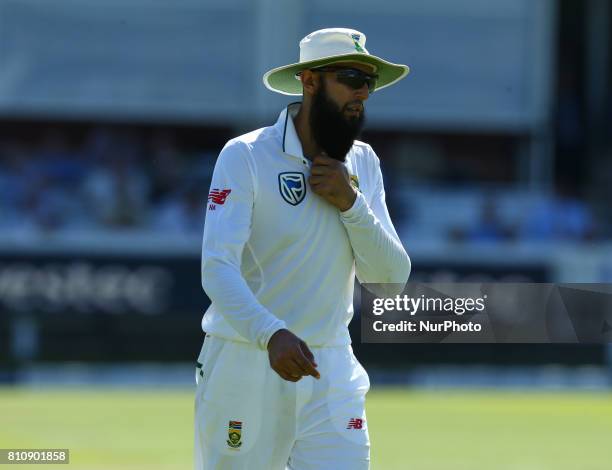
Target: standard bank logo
292, 187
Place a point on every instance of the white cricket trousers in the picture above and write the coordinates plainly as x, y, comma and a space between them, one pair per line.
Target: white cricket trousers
248, 418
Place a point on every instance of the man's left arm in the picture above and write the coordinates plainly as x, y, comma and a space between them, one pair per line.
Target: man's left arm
378, 251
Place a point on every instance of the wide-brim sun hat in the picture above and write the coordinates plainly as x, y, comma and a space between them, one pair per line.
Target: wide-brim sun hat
331, 46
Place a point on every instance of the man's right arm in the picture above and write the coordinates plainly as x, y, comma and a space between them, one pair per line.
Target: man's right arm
226, 232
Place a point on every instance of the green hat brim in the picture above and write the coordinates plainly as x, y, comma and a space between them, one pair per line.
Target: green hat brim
283, 79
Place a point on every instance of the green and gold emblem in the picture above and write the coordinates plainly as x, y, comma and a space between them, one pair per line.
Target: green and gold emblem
234, 434
355, 37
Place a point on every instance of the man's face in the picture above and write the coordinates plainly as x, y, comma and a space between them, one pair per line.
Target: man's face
337, 114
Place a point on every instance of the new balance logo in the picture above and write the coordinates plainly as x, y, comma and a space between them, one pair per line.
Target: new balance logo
355, 423
218, 196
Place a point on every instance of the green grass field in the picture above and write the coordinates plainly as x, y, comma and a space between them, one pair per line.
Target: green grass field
421, 430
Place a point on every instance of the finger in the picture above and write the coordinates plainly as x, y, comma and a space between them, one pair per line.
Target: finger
314, 180
288, 376
309, 368
301, 365
319, 181
306, 367
291, 378
319, 170
297, 364
318, 189
323, 159
308, 353
294, 377
308, 364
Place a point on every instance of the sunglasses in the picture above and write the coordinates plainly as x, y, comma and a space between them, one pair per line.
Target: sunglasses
352, 78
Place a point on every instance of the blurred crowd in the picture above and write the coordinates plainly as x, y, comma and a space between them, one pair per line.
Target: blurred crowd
561, 216
485, 214
113, 180
118, 179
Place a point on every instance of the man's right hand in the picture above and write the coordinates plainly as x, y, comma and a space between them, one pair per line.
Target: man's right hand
290, 357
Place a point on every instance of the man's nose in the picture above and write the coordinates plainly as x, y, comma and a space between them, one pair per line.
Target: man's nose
362, 93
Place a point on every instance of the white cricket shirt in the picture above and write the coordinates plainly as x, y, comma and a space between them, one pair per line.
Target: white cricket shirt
275, 255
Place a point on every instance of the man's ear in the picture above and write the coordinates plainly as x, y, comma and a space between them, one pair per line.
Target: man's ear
310, 82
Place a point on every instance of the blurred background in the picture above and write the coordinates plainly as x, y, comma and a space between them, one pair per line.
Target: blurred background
497, 159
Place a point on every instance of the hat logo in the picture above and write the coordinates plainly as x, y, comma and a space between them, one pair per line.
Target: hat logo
356, 37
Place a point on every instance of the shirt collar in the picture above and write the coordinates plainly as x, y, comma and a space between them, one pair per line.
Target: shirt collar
290, 141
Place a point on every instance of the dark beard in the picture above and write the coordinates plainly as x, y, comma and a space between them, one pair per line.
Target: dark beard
331, 129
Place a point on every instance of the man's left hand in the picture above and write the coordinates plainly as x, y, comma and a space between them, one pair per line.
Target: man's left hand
330, 179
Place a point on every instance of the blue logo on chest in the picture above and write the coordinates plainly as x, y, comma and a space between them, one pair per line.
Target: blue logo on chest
292, 186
